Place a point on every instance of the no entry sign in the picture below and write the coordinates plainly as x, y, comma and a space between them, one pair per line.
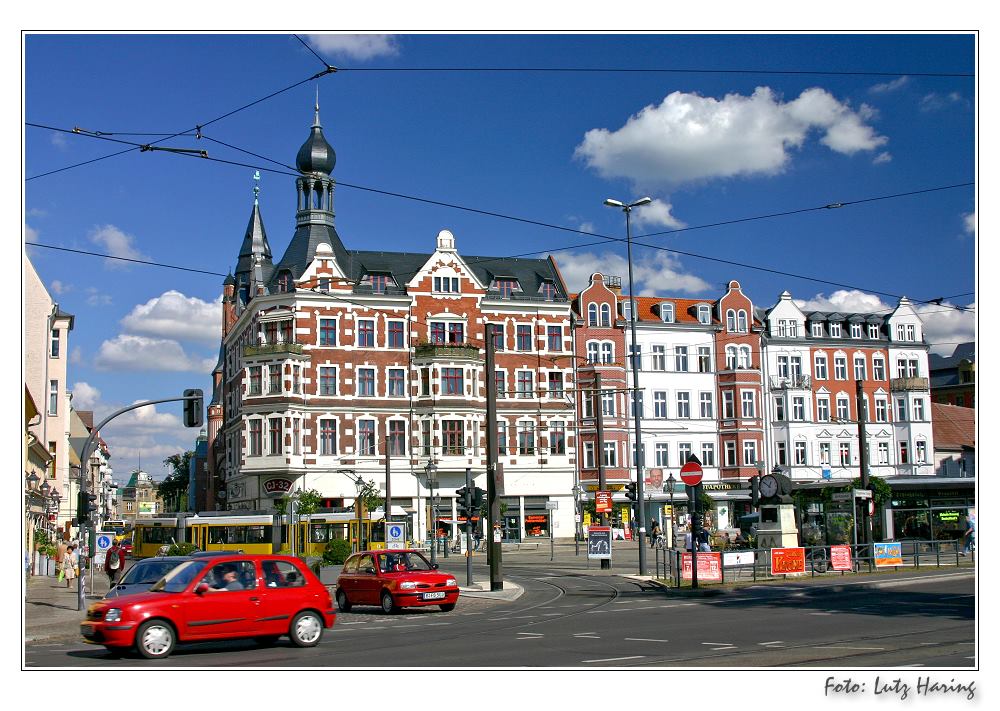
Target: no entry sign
691, 473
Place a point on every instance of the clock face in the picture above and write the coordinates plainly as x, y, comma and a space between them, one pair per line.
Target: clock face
768, 486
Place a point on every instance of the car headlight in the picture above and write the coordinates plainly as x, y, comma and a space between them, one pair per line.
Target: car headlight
407, 585
113, 615
450, 582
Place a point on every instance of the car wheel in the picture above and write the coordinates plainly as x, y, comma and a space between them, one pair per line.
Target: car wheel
267, 640
342, 602
306, 629
448, 607
155, 639
388, 604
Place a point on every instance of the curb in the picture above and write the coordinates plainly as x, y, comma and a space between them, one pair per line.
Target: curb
511, 591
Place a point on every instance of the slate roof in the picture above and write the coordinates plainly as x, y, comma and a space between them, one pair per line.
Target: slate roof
963, 351
954, 427
254, 242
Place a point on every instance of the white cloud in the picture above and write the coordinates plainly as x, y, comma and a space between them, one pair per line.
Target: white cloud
938, 102
883, 157
355, 46
586, 227
690, 138
890, 86
969, 222
128, 352
30, 233
656, 214
97, 298
116, 243
176, 316
656, 273
59, 288
845, 301
59, 141
76, 356
85, 396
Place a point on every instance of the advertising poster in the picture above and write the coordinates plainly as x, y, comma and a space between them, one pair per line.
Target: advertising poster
599, 543
709, 567
888, 554
603, 501
787, 561
840, 558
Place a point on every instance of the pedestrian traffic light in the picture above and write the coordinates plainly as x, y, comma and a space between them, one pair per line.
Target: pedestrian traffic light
464, 502
755, 490
86, 504
194, 407
630, 491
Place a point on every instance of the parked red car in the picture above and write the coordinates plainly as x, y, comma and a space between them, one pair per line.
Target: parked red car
223, 597
394, 579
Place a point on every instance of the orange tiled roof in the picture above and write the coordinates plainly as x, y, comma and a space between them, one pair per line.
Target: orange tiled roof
953, 426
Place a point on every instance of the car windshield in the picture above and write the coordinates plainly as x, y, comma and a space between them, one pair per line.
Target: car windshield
403, 561
180, 577
148, 572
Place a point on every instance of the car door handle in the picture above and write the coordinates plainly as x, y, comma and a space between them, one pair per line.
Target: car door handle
255, 599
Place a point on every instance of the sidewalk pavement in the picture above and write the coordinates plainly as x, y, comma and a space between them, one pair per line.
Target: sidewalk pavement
50, 607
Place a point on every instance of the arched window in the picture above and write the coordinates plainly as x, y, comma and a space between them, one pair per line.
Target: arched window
592, 352
606, 315
284, 282
607, 353
730, 320
741, 321
730, 357
744, 356
592, 315
667, 313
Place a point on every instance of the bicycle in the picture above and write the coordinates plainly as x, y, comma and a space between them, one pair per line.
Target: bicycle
817, 560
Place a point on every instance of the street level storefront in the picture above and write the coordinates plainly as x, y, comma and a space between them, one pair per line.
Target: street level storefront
930, 508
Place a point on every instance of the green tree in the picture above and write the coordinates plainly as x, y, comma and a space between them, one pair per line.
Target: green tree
371, 495
308, 502
174, 488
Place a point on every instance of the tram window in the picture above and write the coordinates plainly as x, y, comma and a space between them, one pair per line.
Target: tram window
217, 534
320, 533
158, 535
376, 531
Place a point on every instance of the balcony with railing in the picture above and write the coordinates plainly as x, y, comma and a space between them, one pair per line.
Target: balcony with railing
791, 382
447, 351
268, 349
905, 384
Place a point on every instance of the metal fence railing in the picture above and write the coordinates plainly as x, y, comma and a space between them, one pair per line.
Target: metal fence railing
751, 564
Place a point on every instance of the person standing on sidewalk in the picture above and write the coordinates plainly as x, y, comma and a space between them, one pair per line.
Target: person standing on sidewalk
69, 563
654, 534
114, 562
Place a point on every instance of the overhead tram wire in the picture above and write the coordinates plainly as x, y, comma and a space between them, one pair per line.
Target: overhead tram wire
657, 70
197, 128
604, 238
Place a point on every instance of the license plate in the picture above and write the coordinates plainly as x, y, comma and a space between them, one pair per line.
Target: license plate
87, 630
433, 596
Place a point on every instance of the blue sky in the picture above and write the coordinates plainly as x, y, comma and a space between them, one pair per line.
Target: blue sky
708, 146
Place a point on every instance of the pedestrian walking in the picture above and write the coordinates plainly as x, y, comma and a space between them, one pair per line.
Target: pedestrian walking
114, 562
69, 565
687, 538
477, 537
969, 537
703, 541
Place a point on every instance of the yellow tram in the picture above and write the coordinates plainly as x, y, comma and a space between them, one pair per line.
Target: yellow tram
258, 532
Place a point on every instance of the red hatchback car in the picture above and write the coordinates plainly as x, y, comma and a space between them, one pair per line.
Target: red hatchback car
222, 597
394, 579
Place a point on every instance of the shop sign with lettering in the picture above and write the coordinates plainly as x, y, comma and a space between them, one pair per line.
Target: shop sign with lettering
788, 561
277, 486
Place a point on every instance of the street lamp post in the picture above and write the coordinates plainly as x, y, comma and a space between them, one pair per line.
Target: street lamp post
577, 490
637, 414
430, 472
670, 490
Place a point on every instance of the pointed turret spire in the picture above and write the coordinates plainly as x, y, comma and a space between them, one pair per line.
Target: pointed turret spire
316, 123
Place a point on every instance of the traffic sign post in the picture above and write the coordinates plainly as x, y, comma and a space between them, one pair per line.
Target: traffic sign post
691, 474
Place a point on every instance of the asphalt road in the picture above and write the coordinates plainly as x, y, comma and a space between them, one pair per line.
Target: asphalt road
585, 618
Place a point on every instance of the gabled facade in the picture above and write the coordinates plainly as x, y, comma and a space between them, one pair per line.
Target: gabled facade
332, 359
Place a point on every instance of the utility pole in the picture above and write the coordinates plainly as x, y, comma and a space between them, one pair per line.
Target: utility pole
495, 547
388, 489
601, 478
866, 524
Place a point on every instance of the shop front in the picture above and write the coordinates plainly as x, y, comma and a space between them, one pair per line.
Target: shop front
930, 509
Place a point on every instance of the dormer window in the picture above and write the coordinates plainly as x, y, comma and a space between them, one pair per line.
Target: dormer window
667, 313
835, 330
856, 331
741, 321
873, 331
379, 282
627, 309
817, 330
704, 314
323, 284
606, 315
547, 290
506, 287
446, 285
592, 315
284, 282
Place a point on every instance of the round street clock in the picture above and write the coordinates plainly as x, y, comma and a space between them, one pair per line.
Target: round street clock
768, 486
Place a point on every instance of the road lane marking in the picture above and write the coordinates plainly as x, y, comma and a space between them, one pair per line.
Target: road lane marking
612, 659
719, 644
820, 613
436, 624
524, 617
643, 639
764, 644
843, 646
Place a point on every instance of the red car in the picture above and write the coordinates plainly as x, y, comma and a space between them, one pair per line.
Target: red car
223, 597
394, 579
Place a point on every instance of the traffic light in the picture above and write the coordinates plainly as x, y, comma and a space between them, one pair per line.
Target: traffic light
630, 491
464, 503
86, 503
478, 498
755, 490
194, 407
